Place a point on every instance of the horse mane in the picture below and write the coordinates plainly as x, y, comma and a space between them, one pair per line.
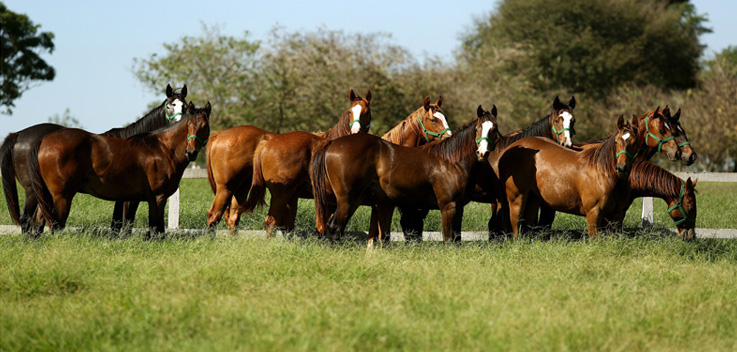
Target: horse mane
603, 156
397, 134
540, 128
153, 120
455, 147
653, 179
144, 139
340, 129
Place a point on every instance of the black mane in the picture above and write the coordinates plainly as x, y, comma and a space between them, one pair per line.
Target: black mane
153, 120
540, 128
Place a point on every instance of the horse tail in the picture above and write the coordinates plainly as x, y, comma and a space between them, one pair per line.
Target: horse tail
258, 185
40, 190
320, 184
208, 162
8, 175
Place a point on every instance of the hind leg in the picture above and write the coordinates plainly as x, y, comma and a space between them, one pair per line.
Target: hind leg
343, 212
62, 207
117, 222
28, 219
515, 206
279, 209
217, 209
547, 216
383, 214
413, 222
237, 208
129, 215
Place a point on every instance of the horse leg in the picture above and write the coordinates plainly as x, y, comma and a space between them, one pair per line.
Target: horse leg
515, 206
447, 214
413, 222
237, 208
117, 222
278, 209
343, 212
290, 213
384, 214
129, 215
593, 221
62, 206
155, 216
457, 223
28, 224
532, 205
218, 207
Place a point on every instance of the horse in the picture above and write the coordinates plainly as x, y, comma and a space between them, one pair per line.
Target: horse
365, 168
649, 180
145, 167
688, 155
230, 159
656, 134
558, 125
537, 171
16, 149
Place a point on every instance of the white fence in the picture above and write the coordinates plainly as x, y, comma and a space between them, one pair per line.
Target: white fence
647, 202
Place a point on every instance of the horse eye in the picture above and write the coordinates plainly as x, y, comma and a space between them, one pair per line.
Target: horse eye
662, 131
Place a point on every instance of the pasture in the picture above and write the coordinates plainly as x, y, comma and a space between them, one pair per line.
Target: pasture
79, 290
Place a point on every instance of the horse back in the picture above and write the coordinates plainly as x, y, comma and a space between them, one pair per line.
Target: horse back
230, 153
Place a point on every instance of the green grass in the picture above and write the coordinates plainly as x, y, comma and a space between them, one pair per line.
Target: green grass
716, 209
77, 291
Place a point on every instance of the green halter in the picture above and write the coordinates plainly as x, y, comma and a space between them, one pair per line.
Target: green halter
627, 154
367, 127
166, 113
438, 135
557, 133
684, 143
679, 206
649, 134
202, 143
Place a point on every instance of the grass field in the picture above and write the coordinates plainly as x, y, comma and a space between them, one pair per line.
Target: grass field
635, 291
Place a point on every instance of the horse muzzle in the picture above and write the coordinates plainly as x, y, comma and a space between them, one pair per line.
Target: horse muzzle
688, 159
687, 234
191, 156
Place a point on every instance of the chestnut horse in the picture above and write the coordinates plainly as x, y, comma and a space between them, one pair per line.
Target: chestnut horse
688, 155
655, 135
537, 171
365, 169
230, 159
145, 167
649, 180
17, 146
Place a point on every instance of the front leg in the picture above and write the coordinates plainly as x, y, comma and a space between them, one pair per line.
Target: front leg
447, 215
457, 222
593, 221
156, 207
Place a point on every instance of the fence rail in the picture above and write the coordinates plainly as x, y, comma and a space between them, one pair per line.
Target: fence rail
647, 202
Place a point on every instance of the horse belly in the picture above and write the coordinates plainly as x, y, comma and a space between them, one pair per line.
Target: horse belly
558, 190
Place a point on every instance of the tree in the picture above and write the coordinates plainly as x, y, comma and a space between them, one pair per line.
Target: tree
594, 46
66, 119
20, 47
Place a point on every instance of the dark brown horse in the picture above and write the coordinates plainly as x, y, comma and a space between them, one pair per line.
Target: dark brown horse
145, 167
649, 180
365, 169
688, 155
231, 160
656, 134
16, 149
537, 171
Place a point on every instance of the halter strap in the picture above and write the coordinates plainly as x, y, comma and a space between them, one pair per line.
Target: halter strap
367, 127
557, 133
627, 154
651, 135
491, 144
202, 143
679, 206
684, 143
438, 135
166, 112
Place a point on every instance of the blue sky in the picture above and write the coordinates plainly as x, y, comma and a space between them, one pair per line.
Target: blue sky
96, 42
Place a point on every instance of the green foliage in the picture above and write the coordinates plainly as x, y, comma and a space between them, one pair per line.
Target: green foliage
66, 119
20, 47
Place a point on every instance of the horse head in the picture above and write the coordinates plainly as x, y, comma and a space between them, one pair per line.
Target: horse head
688, 155
563, 121
360, 113
198, 129
627, 145
659, 134
683, 212
486, 132
174, 105
432, 121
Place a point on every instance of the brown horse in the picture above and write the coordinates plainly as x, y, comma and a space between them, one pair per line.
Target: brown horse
233, 179
656, 134
536, 171
17, 147
145, 167
688, 155
365, 169
649, 180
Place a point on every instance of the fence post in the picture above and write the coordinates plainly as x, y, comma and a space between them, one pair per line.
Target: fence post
647, 211
173, 222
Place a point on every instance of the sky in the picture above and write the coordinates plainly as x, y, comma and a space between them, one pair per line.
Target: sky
96, 42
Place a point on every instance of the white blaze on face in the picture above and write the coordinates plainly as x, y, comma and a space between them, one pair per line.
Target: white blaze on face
567, 117
484, 144
177, 106
439, 115
625, 136
356, 127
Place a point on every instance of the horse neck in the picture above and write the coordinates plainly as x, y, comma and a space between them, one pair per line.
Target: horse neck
459, 149
603, 157
539, 128
340, 129
153, 120
174, 139
407, 133
649, 180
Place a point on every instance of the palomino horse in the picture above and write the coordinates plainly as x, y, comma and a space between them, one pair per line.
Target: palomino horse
365, 169
655, 135
537, 171
145, 167
649, 180
16, 149
230, 158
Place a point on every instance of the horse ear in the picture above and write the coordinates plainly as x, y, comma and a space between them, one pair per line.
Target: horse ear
556, 104
693, 183
368, 96
666, 111
208, 109
657, 110
677, 115
572, 103
440, 101
493, 111
480, 111
169, 91
352, 96
183, 93
426, 103
620, 122
191, 107
635, 120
